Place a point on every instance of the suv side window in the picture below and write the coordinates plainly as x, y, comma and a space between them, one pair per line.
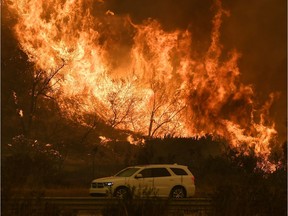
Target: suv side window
179, 171
160, 172
146, 173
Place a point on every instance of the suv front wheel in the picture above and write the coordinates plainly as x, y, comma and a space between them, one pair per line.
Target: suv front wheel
178, 192
122, 192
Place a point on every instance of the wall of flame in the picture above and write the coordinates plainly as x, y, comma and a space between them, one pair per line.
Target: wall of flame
141, 77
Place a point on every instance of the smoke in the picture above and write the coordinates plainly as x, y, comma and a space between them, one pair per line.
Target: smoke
257, 29
193, 15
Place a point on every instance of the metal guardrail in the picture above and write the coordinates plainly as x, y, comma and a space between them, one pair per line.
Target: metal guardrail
95, 206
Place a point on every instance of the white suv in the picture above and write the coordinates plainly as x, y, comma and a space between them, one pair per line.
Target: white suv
164, 180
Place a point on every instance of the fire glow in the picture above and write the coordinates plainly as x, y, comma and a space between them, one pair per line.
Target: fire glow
140, 77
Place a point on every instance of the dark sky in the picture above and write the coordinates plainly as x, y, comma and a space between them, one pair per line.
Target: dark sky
257, 29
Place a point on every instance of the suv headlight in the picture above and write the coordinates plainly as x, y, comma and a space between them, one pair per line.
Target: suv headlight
108, 184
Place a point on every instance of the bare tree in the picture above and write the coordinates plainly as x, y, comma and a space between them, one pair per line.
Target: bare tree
41, 86
121, 106
126, 108
165, 109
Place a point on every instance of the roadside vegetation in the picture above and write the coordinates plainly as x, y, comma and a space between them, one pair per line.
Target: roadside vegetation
233, 180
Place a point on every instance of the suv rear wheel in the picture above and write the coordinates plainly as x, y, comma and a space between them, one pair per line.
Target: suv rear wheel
178, 192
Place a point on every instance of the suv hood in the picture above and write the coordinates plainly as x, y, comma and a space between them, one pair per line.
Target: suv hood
108, 179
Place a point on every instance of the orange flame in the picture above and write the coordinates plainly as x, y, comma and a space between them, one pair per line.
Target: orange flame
144, 79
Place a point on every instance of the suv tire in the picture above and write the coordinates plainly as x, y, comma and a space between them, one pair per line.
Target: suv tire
178, 192
122, 192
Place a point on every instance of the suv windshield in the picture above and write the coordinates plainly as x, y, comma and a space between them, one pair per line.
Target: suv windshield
127, 172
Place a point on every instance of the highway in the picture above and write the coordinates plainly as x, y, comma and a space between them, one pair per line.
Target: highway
84, 206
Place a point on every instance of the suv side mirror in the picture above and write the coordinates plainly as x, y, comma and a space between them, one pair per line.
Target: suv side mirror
139, 175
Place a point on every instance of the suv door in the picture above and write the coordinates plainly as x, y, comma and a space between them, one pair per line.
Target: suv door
146, 182
163, 181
